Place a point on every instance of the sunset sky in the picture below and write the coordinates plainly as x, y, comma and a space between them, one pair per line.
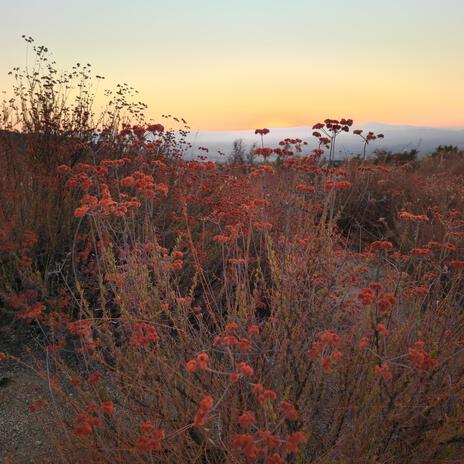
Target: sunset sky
242, 64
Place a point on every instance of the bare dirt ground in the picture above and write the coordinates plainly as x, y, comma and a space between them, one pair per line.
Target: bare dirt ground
23, 434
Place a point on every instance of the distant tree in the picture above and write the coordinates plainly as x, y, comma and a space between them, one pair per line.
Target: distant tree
445, 149
250, 154
240, 153
395, 158
447, 152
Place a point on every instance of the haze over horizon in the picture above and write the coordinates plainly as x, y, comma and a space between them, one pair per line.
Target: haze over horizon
242, 65
398, 138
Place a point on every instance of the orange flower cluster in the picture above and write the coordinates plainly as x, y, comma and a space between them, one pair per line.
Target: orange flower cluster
206, 405
413, 217
264, 442
144, 334
326, 348
305, 188
374, 293
200, 362
150, 438
263, 151
384, 245
86, 421
337, 185
246, 419
81, 327
419, 358
385, 372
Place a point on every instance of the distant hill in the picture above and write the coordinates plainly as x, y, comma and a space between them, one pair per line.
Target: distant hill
398, 138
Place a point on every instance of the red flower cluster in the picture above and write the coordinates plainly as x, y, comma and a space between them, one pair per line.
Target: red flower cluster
384, 245
200, 362
419, 358
150, 438
205, 407
413, 217
144, 334
384, 371
337, 185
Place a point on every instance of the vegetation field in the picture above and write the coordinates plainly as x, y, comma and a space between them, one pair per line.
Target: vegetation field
286, 308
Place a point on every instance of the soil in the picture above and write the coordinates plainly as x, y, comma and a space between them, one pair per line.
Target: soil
23, 434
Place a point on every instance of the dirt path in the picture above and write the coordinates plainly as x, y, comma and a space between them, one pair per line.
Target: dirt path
23, 437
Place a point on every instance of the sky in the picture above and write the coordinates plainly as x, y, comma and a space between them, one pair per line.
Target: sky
241, 64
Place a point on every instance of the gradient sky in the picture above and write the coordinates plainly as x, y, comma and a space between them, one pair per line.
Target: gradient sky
242, 64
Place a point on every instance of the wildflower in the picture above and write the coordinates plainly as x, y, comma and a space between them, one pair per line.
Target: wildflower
237, 261
155, 128
244, 345
419, 358
246, 369
107, 407
290, 412
231, 328
420, 251
144, 334
267, 394
366, 296
456, 263
81, 212
274, 458
305, 188
258, 388
329, 338
222, 238
85, 423
32, 312
82, 327
262, 225
264, 152
246, 443
205, 406
386, 300
363, 343
93, 377
150, 438
271, 440
76, 382
316, 349
246, 419
230, 340
162, 188
191, 366
177, 265
413, 217
201, 361
381, 245
63, 169
382, 330
416, 291
294, 440
253, 330
384, 371
38, 404
128, 181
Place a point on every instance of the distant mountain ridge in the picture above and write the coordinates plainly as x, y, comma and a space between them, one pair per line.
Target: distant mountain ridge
398, 138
